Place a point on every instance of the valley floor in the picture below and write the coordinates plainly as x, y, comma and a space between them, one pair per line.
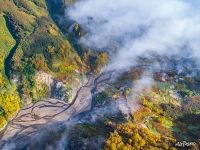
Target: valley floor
31, 120
36, 119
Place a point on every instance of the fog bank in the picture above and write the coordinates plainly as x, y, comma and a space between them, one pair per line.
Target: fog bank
131, 28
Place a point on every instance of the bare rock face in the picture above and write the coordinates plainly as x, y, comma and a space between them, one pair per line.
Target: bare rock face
45, 78
57, 89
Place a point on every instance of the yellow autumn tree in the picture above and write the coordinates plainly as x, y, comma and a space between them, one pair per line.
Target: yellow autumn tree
128, 136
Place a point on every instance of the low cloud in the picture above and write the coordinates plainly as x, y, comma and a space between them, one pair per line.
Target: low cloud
132, 28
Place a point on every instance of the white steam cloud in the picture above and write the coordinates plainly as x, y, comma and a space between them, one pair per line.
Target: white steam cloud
141, 86
131, 28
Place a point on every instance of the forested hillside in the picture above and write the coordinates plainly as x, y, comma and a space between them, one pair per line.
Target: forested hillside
36, 56
31, 43
9, 98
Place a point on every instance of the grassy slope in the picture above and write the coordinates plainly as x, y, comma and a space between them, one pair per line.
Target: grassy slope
6, 40
9, 101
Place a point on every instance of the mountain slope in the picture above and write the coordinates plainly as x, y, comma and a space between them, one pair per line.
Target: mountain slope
9, 100
31, 43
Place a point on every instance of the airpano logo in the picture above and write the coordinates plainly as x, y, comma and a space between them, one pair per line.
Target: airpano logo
185, 144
